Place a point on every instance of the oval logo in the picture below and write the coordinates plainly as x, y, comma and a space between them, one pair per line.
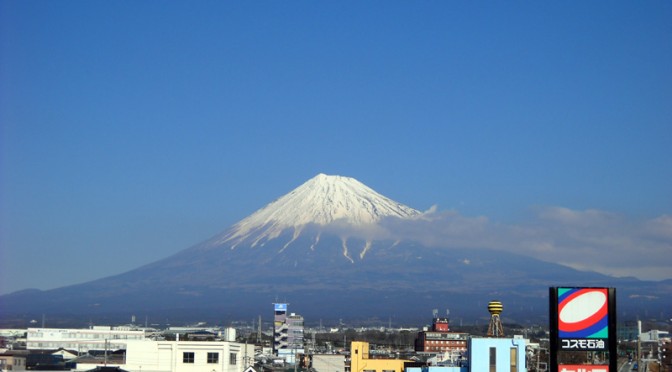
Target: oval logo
583, 309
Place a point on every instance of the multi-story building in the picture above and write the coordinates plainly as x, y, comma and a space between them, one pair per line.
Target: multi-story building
280, 327
295, 338
439, 339
80, 340
288, 339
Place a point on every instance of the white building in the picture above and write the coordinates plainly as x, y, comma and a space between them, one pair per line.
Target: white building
653, 335
188, 356
80, 340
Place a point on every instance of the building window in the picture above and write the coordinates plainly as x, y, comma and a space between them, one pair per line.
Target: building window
213, 358
493, 359
514, 359
187, 357
232, 358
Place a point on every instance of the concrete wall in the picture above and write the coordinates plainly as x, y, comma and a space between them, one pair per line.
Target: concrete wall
329, 363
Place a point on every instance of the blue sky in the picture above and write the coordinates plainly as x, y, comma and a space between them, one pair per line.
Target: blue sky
130, 130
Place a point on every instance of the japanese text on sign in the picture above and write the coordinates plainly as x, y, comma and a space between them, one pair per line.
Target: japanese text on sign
582, 368
582, 344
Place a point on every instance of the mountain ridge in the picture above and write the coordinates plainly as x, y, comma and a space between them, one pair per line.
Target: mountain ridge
333, 263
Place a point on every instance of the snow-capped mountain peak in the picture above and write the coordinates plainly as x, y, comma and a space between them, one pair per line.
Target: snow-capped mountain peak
321, 200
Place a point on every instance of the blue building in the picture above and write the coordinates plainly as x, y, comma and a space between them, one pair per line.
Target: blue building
488, 355
497, 354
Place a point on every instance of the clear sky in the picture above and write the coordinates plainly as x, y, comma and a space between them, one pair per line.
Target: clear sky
130, 130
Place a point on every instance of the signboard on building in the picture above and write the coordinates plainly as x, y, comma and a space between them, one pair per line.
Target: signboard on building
582, 319
280, 307
582, 368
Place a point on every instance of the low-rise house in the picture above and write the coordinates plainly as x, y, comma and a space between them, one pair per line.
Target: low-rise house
65, 354
12, 362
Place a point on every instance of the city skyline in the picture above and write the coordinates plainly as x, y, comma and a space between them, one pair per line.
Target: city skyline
132, 130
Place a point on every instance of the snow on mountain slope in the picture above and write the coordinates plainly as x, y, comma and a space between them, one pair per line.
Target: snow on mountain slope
320, 201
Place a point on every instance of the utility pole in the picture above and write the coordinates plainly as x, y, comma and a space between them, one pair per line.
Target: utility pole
639, 344
245, 357
314, 343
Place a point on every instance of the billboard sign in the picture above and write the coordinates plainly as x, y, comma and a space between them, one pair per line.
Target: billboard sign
582, 319
280, 307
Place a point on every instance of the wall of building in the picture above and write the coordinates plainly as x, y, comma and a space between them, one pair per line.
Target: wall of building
479, 354
437, 369
168, 356
329, 363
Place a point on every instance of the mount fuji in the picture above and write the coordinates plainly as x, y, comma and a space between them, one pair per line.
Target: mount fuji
321, 202
333, 248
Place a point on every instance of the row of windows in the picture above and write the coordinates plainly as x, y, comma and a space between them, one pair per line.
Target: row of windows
211, 358
442, 348
446, 343
89, 336
74, 346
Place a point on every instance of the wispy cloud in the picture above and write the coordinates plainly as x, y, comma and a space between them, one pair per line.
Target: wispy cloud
591, 239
